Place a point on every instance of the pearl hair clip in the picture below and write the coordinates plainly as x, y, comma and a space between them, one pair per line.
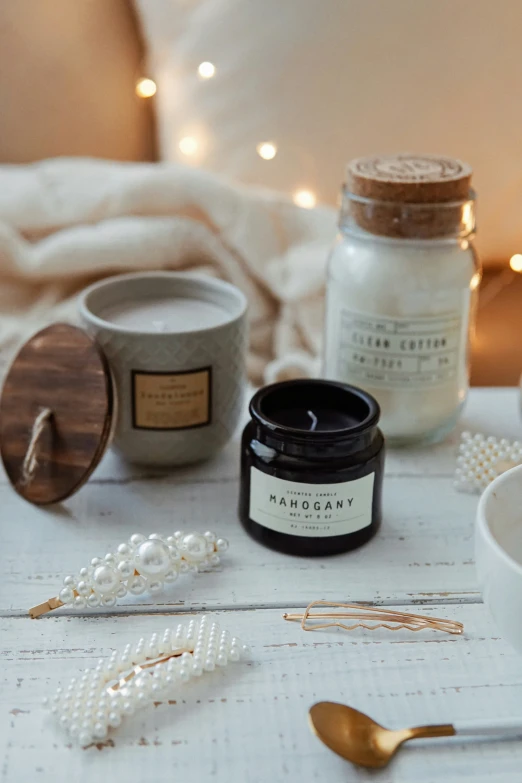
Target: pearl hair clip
142, 564
481, 459
101, 697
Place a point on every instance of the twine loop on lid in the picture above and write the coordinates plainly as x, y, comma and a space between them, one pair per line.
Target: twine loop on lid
30, 462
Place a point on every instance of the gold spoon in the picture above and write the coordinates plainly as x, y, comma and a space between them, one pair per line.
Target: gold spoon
359, 739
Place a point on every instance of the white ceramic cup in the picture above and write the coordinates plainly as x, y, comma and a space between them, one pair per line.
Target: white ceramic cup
498, 553
179, 381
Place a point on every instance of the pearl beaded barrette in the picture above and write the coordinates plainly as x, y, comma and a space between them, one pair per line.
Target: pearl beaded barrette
481, 459
142, 564
100, 698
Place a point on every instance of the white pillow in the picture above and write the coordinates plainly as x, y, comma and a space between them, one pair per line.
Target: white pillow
329, 80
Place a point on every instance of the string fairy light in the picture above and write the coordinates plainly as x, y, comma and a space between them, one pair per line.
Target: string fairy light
188, 145
515, 262
304, 198
206, 70
266, 150
145, 87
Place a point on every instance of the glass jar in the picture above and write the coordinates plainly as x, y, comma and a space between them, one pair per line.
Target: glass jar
312, 464
401, 292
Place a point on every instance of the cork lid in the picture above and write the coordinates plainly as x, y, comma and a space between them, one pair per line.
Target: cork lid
56, 410
437, 187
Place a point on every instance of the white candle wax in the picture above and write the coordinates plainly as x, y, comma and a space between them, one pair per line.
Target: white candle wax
166, 314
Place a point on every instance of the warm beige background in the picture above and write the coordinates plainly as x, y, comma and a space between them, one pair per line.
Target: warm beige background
67, 75
328, 80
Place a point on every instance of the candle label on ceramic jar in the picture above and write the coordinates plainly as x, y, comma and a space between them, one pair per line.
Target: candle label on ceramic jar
399, 353
312, 510
171, 400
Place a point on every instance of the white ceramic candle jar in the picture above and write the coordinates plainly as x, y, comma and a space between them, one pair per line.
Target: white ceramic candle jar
175, 344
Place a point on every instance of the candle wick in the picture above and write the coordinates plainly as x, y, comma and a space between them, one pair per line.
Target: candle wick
314, 420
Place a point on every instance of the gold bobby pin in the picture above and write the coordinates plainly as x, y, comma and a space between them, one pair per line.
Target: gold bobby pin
411, 622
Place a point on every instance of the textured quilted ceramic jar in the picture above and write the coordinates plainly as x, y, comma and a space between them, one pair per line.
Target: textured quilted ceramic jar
175, 344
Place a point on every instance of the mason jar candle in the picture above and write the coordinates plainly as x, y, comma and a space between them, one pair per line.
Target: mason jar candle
401, 291
312, 461
175, 344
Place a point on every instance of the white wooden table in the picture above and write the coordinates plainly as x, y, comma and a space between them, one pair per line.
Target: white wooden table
249, 721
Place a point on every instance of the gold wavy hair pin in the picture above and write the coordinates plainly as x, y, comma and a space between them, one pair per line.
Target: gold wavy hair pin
369, 617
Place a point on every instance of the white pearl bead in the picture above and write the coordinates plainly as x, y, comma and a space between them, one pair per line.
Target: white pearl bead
152, 558
215, 560
114, 719
100, 731
105, 579
154, 536
121, 592
127, 707
108, 601
96, 561
234, 654
110, 558
93, 601
210, 664
222, 544
136, 539
69, 581
83, 588
74, 729
79, 602
171, 576
178, 534
84, 738
210, 536
124, 550
137, 585
126, 568
155, 587
84, 573
66, 595
174, 554
183, 567
194, 546
221, 659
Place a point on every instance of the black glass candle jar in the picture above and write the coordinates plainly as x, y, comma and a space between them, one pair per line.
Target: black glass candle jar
312, 463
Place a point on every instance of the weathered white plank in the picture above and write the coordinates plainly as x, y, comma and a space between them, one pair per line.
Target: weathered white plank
424, 550
249, 722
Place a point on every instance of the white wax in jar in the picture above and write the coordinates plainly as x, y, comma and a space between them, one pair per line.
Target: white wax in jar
401, 279
166, 314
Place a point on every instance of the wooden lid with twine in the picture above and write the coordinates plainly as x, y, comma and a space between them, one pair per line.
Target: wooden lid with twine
410, 196
56, 411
